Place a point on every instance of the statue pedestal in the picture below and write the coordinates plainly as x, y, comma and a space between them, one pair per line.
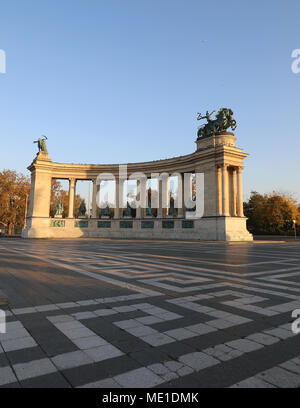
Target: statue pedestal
82, 216
105, 217
221, 139
58, 216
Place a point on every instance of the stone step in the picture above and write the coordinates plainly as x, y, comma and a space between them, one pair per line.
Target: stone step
3, 299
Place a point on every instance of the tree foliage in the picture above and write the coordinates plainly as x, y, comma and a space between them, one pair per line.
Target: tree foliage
14, 188
271, 213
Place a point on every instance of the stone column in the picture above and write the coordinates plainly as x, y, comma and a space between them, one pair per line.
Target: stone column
233, 189
165, 195
160, 205
143, 196
94, 200
119, 205
117, 199
225, 195
72, 184
219, 191
240, 209
181, 204
138, 198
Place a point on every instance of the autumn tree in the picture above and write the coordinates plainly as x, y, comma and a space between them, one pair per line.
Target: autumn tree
271, 213
14, 193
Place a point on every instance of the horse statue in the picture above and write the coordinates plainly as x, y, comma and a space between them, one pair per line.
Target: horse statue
223, 121
42, 144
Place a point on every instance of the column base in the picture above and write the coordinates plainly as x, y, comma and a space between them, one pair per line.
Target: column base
200, 229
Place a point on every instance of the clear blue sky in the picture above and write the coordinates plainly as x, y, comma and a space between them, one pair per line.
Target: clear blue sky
123, 80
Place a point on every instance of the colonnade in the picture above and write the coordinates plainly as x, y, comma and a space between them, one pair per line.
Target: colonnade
229, 194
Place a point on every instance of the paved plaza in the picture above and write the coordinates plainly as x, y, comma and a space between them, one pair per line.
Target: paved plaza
109, 313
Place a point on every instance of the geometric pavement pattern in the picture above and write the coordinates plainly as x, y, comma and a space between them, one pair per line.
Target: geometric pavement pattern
109, 313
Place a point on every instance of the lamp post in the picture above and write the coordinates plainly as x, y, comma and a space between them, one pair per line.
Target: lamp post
294, 222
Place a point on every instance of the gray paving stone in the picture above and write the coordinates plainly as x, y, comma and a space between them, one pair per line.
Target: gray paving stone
87, 302
263, 338
128, 324
173, 365
244, 345
104, 352
105, 312
220, 323
198, 361
280, 378
7, 376
34, 368
72, 359
106, 383
280, 333
14, 334
67, 305
141, 331
157, 339
158, 369
139, 378
291, 366
24, 310
89, 342
18, 344
72, 324
78, 333
253, 382
149, 320
181, 333
185, 370
124, 309
46, 308
60, 319
201, 328
170, 376
84, 315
